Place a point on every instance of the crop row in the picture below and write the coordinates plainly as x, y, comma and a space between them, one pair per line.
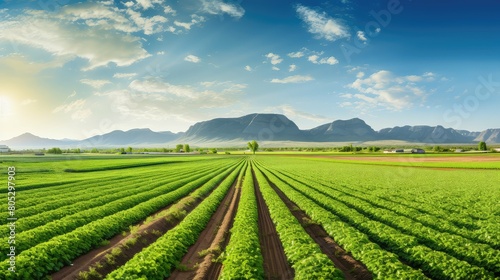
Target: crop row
383, 264
242, 257
427, 214
464, 200
475, 253
51, 228
160, 258
38, 215
38, 197
36, 262
302, 252
437, 264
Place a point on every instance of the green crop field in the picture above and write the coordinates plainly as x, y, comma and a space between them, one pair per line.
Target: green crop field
269, 216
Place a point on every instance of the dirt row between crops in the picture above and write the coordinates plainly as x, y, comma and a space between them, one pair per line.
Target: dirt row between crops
276, 265
212, 240
145, 234
352, 268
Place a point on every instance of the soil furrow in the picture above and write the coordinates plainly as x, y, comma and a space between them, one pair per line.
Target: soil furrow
192, 264
276, 265
352, 268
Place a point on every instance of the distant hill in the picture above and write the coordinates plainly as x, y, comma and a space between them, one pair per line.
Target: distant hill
425, 134
28, 140
255, 126
144, 136
263, 127
489, 136
343, 130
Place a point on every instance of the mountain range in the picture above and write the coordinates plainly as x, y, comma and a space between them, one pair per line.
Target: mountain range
263, 127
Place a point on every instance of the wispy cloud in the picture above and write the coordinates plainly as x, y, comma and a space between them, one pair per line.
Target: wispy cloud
219, 7
296, 54
159, 99
95, 83
320, 24
77, 109
292, 68
248, 68
293, 79
195, 19
124, 75
192, 58
100, 36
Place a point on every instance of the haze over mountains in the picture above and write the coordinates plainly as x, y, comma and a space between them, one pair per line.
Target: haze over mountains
264, 127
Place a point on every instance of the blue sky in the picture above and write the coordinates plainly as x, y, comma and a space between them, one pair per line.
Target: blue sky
73, 69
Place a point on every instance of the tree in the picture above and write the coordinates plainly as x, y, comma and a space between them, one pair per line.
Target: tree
178, 148
253, 146
129, 150
56, 151
482, 146
187, 149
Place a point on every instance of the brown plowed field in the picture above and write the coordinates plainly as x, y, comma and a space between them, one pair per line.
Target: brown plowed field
275, 263
406, 158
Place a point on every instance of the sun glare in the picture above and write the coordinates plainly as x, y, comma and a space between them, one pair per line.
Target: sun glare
5, 107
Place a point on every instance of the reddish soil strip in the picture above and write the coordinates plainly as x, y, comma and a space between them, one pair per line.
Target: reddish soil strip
145, 237
406, 158
275, 263
211, 237
351, 268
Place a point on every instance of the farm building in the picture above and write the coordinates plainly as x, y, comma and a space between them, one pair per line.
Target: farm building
417, 151
4, 149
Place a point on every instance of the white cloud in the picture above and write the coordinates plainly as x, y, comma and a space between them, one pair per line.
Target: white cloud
321, 24
329, 60
384, 89
148, 25
274, 58
313, 58
63, 35
148, 4
248, 68
296, 54
218, 7
275, 68
168, 10
293, 79
192, 58
77, 108
160, 53
160, 100
292, 68
195, 19
124, 75
325, 60
361, 36
95, 83
360, 75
